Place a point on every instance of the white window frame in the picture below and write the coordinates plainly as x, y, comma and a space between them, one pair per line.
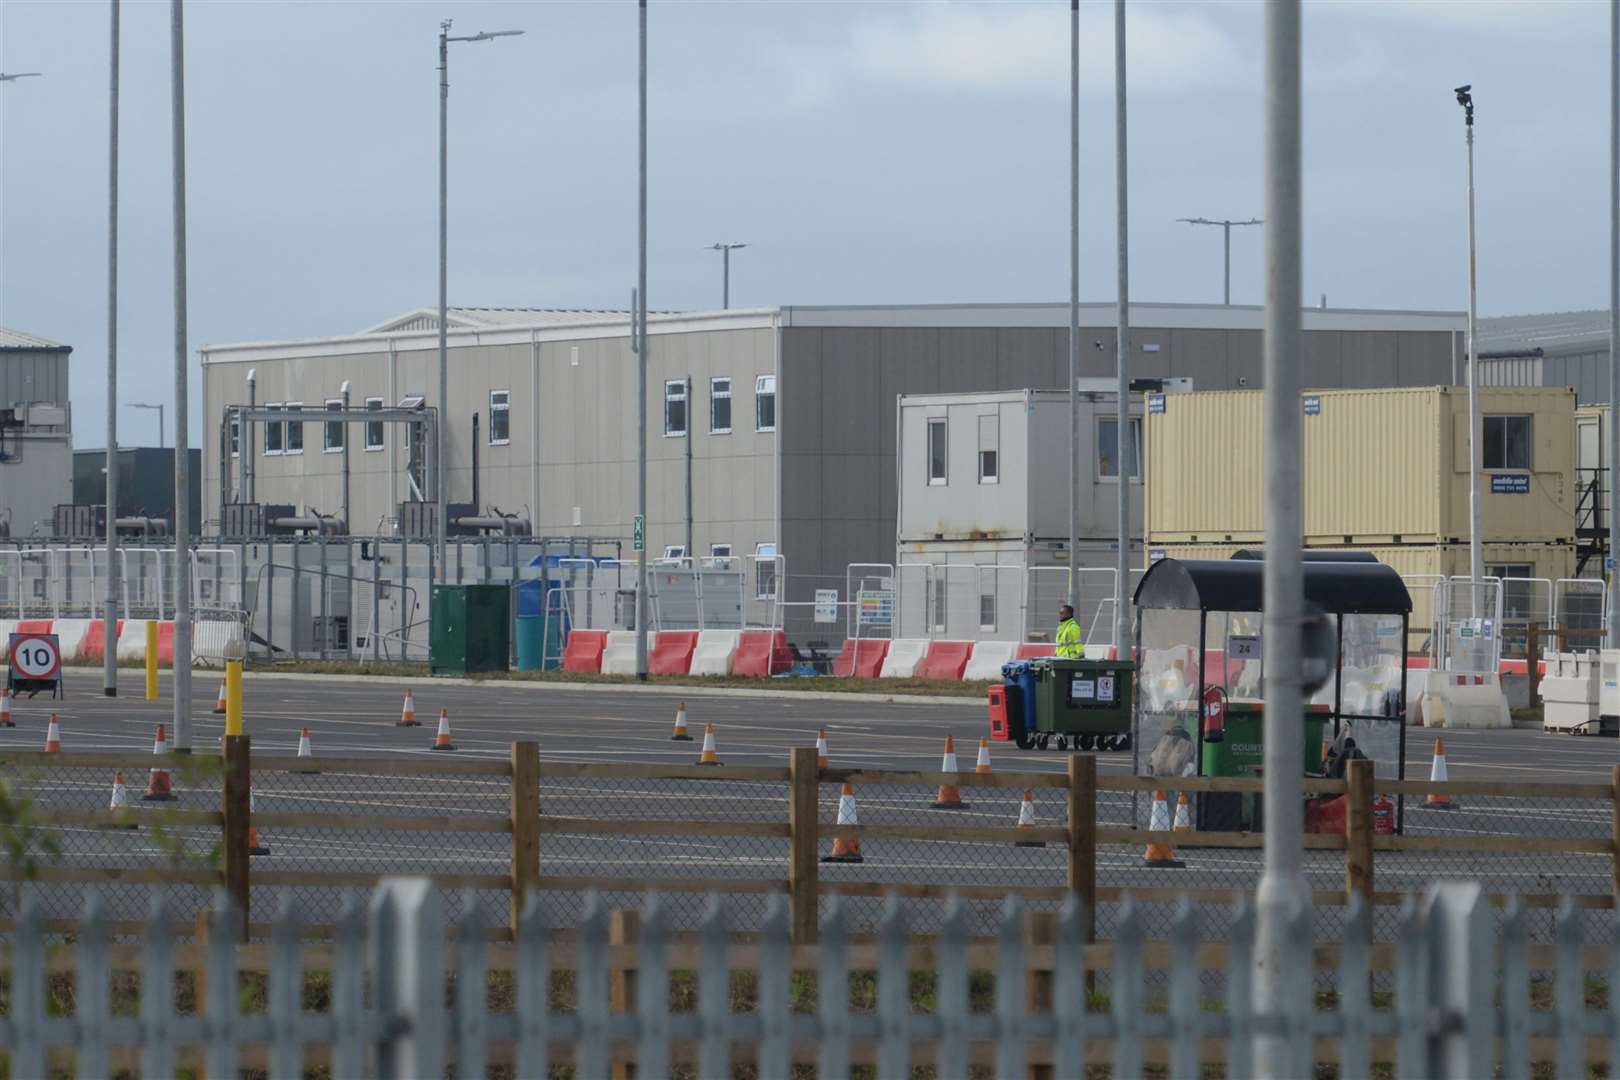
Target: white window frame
993, 477
937, 602
674, 553
326, 429
382, 428
719, 551
685, 398
766, 553
765, 387
1136, 429
503, 406
234, 434
991, 598
277, 428
287, 429
716, 394
945, 450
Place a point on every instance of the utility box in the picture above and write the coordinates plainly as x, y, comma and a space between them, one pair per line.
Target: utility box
1082, 700
471, 629
1570, 692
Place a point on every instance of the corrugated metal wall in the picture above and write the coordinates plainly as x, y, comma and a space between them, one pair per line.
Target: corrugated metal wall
1381, 467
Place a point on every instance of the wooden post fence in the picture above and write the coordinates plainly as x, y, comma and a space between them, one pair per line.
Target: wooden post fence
525, 825
1358, 830
237, 793
804, 841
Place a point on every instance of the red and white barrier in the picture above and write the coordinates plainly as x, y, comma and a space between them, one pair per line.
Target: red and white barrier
903, 657
715, 652
987, 660
619, 653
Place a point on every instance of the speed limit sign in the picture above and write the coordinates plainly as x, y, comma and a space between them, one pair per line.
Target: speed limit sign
35, 663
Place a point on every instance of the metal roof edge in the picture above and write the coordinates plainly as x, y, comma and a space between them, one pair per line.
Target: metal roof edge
1144, 316
415, 340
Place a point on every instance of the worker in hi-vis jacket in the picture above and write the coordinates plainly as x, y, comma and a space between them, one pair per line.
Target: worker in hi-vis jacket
1068, 635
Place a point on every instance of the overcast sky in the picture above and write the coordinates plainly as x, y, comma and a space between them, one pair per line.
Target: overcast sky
869, 153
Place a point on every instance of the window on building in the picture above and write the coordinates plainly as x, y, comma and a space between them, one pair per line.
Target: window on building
1507, 442
938, 619
235, 434
1519, 594
765, 572
500, 417
332, 441
675, 407
295, 428
674, 552
765, 403
1107, 448
374, 428
274, 433
719, 406
987, 611
936, 450
719, 551
989, 449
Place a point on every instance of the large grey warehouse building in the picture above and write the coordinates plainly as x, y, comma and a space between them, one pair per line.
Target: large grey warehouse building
772, 430
36, 432
1560, 348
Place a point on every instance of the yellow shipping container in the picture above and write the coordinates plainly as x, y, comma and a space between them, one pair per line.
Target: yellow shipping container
1381, 467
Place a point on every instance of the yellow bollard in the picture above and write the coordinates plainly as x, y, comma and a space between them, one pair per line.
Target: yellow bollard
233, 697
151, 659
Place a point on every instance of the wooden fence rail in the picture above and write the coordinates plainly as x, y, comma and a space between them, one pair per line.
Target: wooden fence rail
1079, 833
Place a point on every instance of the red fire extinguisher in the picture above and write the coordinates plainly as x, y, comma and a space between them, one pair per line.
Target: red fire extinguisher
1383, 816
1214, 714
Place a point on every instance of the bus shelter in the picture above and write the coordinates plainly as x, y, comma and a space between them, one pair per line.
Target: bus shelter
1200, 705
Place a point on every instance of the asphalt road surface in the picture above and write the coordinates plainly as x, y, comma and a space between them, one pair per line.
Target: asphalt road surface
356, 718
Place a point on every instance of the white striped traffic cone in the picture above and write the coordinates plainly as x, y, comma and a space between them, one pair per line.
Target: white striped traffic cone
821, 748
441, 741
1158, 854
253, 845
983, 764
158, 788
120, 801
1026, 819
1183, 821
5, 708
53, 737
681, 734
949, 796
407, 714
707, 755
846, 849
1438, 800
219, 702
306, 751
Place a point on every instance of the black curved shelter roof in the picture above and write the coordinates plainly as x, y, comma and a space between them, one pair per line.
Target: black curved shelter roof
1313, 555
1349, 588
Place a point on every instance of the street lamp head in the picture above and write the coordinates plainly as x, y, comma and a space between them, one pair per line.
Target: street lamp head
486, 35
14, 76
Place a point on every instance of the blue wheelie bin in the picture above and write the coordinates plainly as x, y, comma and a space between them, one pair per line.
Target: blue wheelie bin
1020, 692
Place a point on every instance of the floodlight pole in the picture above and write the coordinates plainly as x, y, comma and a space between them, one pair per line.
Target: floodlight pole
1614, 315
1226, 233
725, 251
109, 609
1476, 562
1073, 597
1282, 884
640, 338
1123, 450
182, 440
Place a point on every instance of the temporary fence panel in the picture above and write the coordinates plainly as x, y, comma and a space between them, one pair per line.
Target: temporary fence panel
862, 579
1469, 613
766, 576
1524, 601
1581, 605
1047, 591
914, 600
1422, 628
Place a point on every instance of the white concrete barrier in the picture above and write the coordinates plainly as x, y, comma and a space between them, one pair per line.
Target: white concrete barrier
987, 658
716, 649
904, 656
70, 634
619, 655
1457, 700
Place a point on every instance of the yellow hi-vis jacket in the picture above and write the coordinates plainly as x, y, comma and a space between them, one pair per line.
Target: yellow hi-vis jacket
1068, 640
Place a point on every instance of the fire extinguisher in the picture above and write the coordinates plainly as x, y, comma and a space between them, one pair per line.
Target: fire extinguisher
1383, 816
1214, 714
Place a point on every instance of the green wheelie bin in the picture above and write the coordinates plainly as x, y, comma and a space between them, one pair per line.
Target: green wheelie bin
1083, 704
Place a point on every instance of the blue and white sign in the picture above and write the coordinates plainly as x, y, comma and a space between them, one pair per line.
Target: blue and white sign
1156, 554
1313, 404
1155, 403
1510, 484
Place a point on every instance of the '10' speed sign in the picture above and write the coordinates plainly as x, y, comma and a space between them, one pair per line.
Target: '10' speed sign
35, 657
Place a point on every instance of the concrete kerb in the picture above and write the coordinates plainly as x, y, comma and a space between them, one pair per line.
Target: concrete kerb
678, 689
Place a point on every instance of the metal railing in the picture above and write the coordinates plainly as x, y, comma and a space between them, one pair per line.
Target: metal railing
1444, 1017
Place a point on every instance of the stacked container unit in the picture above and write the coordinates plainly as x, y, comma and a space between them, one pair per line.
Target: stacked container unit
1385, 471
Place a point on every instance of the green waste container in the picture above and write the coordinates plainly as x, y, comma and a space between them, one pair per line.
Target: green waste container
471, 629
1082, 698
1241, 752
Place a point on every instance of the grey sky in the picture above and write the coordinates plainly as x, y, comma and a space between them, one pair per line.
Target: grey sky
869, 152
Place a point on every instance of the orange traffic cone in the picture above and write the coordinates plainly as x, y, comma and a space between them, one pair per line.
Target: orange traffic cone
1438, 800
983, 764
407, 716
5, 708
219, 702
821, 748
157, 780
1026, 819
949, 796
1157, 854
53, 737
681, 734
253, 845
846, 849
441, 741
707, 755
120, 801
305, 751
1183, 814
